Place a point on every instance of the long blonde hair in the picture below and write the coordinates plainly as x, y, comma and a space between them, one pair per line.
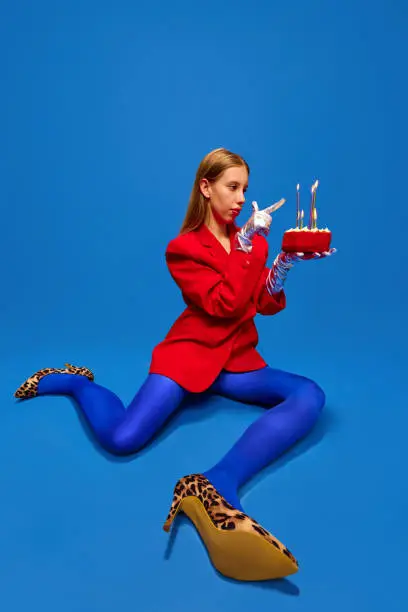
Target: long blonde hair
210, 168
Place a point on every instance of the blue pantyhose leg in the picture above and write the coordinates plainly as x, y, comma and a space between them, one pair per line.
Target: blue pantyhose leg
292, 402
296, 403
119, 430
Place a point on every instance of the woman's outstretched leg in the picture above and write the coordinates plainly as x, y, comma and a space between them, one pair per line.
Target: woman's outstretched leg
117, 429
294, 404
238, 545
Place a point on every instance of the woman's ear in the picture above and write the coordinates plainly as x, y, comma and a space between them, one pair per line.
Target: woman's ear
205, 188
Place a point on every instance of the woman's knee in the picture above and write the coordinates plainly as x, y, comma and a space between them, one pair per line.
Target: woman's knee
124, 442
313, 398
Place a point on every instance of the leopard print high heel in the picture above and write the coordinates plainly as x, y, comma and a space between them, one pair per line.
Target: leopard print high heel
238, 546
29, 388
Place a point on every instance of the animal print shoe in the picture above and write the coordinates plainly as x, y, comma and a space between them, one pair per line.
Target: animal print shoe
29, 388
237, 545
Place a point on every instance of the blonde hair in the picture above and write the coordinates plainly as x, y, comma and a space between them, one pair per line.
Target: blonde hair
210, 168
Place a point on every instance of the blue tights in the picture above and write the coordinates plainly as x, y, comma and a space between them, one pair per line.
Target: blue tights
292, 403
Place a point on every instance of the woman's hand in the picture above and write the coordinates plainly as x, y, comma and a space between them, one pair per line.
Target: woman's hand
259, 223
283, 263
262, 219
294, 257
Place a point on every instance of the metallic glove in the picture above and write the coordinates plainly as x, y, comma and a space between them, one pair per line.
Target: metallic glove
258, 223
283, 263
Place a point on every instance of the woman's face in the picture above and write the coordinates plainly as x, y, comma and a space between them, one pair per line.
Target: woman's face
227, 194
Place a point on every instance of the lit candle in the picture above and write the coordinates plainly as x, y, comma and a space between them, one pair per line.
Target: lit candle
297, 205
311, 207
302, 214
314, 218
313, 204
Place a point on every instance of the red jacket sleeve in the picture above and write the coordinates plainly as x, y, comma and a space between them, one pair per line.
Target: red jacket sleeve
218, 294
265, 303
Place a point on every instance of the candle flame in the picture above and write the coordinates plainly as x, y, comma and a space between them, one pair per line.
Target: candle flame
315, 186
298, 186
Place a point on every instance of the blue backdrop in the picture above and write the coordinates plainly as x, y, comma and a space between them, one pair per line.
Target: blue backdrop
106, 110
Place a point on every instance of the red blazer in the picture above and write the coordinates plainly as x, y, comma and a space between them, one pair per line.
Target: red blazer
223, 292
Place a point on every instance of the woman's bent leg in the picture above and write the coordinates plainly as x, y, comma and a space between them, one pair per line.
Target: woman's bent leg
119, 430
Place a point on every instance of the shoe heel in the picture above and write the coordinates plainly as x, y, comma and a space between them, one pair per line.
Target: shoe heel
81, 371
174, 508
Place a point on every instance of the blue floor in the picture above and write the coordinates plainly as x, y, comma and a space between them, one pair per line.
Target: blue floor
106, 112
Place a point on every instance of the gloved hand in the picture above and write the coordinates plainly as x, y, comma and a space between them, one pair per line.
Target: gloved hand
258, 223
283, 263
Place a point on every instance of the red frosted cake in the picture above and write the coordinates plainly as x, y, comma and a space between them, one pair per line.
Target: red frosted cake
306, 240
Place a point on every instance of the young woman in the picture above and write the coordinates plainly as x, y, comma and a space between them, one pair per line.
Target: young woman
222, 274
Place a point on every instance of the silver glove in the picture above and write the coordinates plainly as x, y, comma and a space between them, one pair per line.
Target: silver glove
258, 223
283, 263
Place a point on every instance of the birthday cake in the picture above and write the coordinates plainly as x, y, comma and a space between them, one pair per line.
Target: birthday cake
306, 240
